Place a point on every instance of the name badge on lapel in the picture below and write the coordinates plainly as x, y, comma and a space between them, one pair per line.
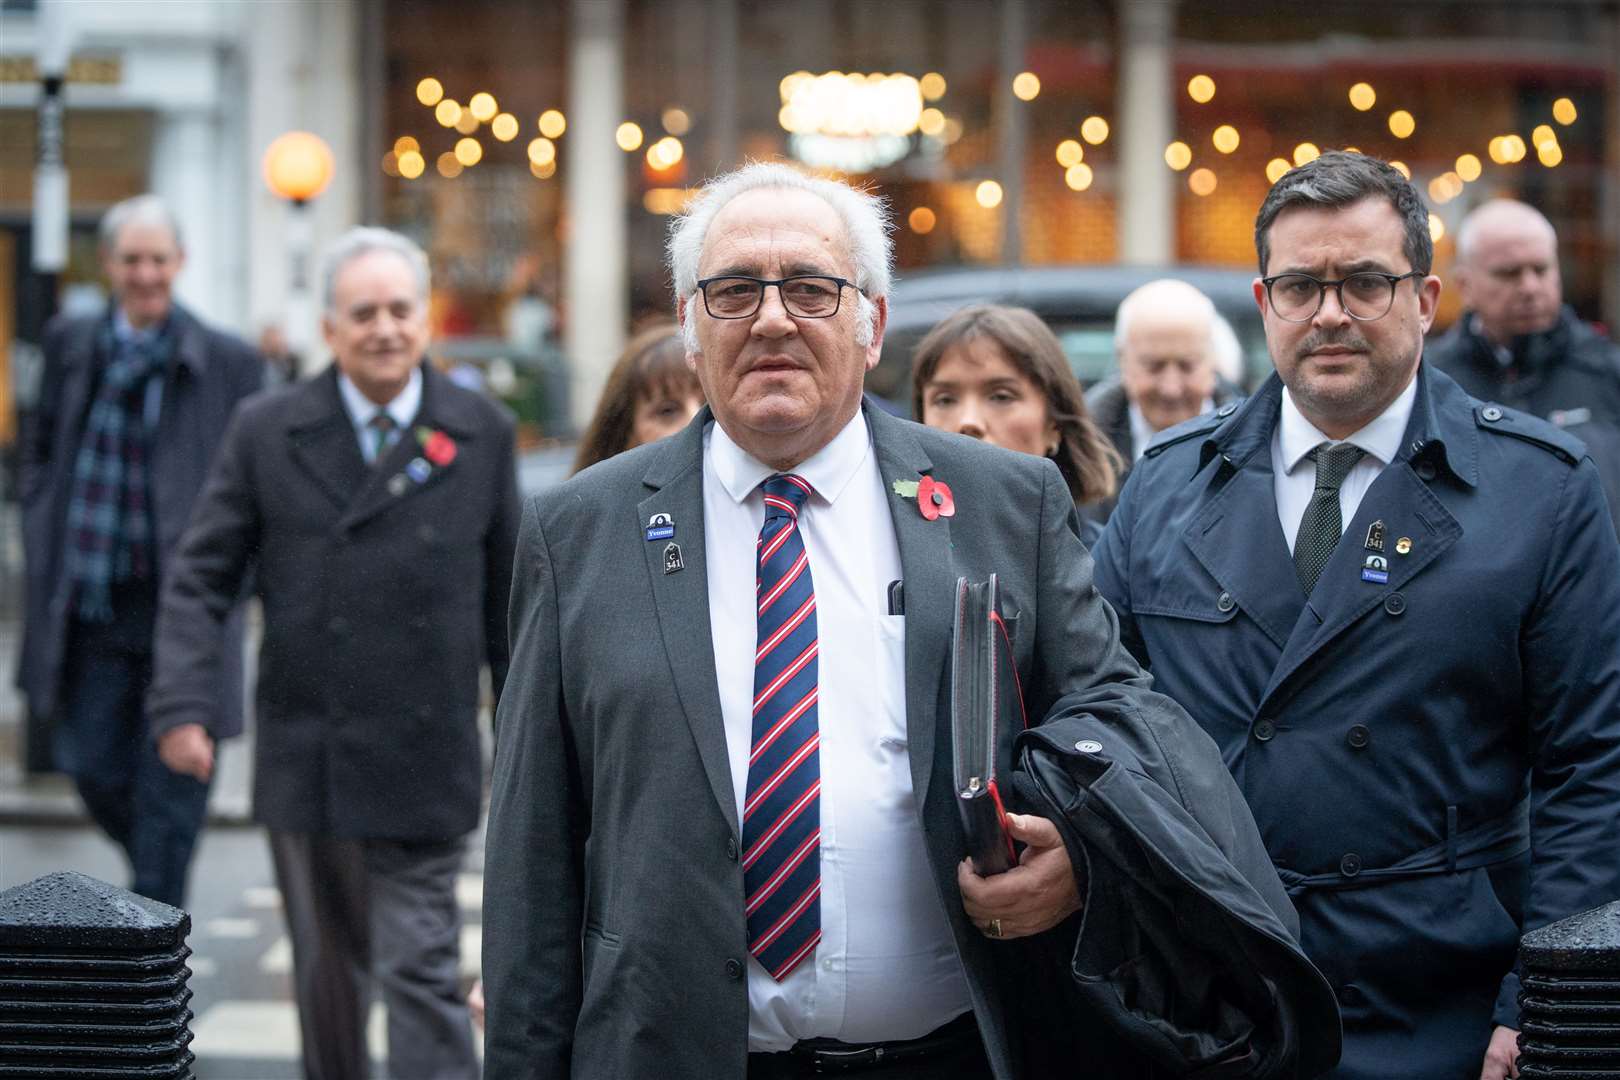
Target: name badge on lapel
660, 527
1376, 570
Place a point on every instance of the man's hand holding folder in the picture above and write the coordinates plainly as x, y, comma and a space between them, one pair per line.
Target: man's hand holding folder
1005, 893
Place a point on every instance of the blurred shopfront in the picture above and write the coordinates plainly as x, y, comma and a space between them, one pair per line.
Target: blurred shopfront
920, 100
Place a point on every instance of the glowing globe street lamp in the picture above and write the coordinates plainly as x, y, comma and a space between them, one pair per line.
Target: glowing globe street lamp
297, 168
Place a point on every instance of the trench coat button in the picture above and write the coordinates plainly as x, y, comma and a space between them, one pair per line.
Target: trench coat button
734, 969
1425, 470
1350, 865
1265, 730
1395, 603
731, 848
1225, 602
1226, 410
1358, 737
338, 625
1491, 413
1088, 746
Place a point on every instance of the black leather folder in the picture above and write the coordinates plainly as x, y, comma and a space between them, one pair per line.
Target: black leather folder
986, 709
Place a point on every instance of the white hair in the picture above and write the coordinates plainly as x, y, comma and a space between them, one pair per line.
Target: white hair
144, 209
1497, 211
1156, 295
363, 240
866, 223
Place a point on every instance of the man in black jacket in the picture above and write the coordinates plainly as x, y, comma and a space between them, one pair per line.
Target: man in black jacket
134, 403
378, 506
1519, 345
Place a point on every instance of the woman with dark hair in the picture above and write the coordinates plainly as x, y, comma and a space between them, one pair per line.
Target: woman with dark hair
650, 393
998, 374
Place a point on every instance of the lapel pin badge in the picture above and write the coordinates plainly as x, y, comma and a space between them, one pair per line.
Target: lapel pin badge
1403, 546
419, 470
1375, 537
1376, 570
934, 498
672, 559
397, 484
661, 527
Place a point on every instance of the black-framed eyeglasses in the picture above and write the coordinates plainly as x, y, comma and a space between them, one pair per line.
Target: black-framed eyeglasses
1364, 297
808, 296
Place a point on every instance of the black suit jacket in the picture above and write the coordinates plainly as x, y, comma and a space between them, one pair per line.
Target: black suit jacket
211, 372
384, 590
614, 933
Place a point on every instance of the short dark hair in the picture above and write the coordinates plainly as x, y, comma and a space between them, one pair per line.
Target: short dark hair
1339, 178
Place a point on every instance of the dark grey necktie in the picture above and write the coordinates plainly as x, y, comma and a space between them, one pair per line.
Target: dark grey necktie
1320, 528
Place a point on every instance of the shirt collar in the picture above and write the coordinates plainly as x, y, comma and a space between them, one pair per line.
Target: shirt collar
828, 471
1381, 437
125, 331
402, 408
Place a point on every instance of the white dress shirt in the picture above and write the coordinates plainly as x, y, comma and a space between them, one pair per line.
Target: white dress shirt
361, 409
1294, 474
1142, 432
886, 966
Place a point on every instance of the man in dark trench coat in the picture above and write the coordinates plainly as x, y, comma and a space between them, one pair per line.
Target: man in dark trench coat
1397, 610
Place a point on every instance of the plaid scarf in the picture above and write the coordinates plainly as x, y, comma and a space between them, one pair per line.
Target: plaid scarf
109, 515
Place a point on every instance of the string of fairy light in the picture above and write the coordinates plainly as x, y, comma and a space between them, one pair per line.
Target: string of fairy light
859, 122
407, 159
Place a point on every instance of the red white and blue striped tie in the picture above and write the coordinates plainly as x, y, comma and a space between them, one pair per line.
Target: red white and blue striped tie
782, 809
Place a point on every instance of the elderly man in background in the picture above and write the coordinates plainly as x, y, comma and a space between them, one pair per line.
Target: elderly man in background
1166, 337
132, 408
1518, 344
375, 510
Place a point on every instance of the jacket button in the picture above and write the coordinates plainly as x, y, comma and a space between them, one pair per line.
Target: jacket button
1225, 602
1350, 865
734, 969
1226, 410
1358, 737
1088, 746
1425, 470
1265, 730
1491, 413
1395, 603
731, 848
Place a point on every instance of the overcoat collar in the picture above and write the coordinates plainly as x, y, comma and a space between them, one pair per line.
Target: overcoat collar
324, 444
675, 482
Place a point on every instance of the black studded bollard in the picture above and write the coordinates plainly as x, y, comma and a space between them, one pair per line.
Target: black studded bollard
92, 983
1569, 1004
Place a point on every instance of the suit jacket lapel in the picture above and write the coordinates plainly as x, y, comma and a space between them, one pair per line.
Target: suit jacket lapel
925, 563
681, 599
323, 441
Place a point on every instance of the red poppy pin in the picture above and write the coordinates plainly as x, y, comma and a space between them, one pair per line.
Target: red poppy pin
934, 499
437, 447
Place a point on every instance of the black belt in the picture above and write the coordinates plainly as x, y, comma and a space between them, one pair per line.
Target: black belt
817, 1057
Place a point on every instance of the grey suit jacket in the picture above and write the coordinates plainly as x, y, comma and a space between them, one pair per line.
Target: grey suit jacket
614, 935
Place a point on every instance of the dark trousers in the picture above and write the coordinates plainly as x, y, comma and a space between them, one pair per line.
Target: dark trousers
359, 910
102, 741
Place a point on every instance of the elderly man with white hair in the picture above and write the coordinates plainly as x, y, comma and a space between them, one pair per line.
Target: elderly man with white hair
1169, 341
723, 836
373, 509
1518, 344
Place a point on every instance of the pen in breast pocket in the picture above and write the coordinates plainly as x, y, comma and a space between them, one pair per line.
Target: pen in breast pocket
897, 597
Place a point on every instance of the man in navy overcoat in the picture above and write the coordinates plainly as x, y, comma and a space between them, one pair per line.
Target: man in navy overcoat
1397, 610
